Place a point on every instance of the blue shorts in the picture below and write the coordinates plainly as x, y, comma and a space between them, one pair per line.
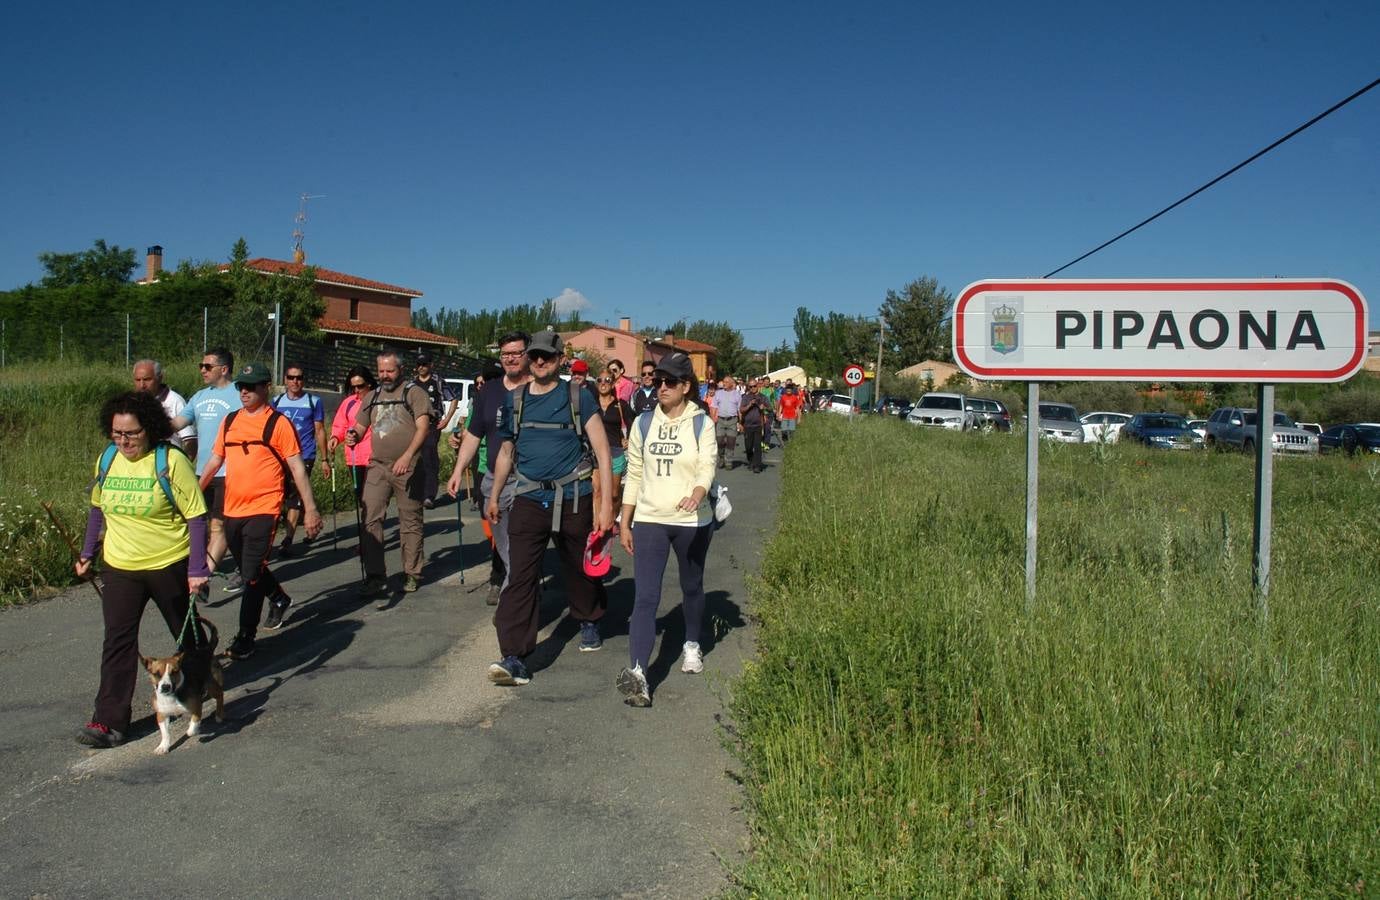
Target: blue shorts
620, 463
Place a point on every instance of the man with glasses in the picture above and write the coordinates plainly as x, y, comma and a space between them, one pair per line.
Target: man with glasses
399, 415
307, 414
206, 410
644, 398
485, 420
259, 447
546, 451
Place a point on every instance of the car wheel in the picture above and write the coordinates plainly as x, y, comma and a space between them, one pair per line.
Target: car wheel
1248, 445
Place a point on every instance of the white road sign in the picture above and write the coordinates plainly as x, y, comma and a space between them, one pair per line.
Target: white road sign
853, 376
1279, 330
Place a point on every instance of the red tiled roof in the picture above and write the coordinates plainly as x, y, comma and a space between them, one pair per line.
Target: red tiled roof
325, 276
687, 345
375, 330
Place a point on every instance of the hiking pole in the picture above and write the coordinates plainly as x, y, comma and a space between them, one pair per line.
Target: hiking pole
71, 544
335, 524
460, 536
359, 522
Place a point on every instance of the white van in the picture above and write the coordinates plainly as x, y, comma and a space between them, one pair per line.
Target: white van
462, 389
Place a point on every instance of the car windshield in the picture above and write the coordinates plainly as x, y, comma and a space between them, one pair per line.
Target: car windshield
1058, 413
933, 402
1178, 422
1369, 431
1281, 420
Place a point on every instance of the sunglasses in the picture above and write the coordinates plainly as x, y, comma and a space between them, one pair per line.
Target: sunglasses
293, 377
606, 381
661, 381
541, 357
205, 366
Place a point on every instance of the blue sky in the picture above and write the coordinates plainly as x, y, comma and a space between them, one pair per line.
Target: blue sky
720, 161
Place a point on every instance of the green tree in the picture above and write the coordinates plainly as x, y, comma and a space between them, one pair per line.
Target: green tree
825, 344
917, 321
733, 356
254, 295
101, 264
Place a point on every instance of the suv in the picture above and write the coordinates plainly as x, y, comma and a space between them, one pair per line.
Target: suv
1232, 426
943, 411
893, 406
989, 414
1059, 422
1104, 427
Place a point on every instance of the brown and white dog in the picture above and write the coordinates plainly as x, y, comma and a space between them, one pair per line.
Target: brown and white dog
182, 682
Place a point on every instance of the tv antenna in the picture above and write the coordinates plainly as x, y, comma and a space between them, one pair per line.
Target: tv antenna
299, 255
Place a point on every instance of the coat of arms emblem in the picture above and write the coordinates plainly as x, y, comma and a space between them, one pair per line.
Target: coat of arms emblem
1006, 329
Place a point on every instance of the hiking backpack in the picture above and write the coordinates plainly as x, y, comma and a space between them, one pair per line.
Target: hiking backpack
160, 469
273, 417
583, 471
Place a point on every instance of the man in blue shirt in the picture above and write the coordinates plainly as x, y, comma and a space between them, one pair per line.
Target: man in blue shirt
547, 453
307, 414
206, 410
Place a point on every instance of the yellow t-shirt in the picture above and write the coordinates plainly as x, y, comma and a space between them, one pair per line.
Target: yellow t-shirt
673, 463
142, 531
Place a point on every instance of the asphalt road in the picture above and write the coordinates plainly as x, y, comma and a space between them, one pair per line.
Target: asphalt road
365, 754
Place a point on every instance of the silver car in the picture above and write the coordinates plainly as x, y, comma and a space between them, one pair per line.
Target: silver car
1232, 426
943, 411
1059, 422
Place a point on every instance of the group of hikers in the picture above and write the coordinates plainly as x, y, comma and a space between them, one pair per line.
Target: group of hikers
642, 474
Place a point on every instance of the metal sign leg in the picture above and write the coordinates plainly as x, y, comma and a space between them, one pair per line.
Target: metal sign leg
1032, 485
1264, 493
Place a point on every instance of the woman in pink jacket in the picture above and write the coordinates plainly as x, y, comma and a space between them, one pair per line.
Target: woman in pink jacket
357, 457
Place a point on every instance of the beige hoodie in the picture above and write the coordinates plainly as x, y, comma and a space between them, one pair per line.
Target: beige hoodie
674, 461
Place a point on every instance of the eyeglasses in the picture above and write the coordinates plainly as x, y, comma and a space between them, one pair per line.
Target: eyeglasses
292, 377
359, 387
512, 354
606, 381
248, 388
205, 366
647, 374
116, 435
662, 381
540, 356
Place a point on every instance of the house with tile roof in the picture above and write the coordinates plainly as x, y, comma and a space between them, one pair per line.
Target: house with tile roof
356, 308
623, 344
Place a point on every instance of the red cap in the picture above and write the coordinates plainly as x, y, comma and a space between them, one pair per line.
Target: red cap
597, 555
579, 367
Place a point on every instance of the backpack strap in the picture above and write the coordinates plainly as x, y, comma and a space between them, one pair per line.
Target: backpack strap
584, 471
264, 440
160, 469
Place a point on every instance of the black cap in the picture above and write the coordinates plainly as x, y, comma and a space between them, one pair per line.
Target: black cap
676, 365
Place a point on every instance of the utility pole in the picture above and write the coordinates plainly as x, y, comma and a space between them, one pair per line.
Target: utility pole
877, 379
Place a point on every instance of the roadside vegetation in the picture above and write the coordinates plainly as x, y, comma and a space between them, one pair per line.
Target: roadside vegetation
910, 728
49, 441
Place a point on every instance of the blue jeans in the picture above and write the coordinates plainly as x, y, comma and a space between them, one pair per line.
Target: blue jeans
653, 544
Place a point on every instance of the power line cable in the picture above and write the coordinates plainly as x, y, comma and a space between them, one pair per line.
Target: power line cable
1241, 165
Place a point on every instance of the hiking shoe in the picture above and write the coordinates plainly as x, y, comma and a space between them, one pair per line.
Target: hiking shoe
276, 608
374, 586
692, 662
589, 637
632, 684
494, 591
509, 671
242, 647
233, 583
94, 734
410, 584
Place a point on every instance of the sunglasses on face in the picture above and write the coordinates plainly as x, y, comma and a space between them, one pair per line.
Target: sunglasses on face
359, 387
662, 381
646, 374
205, 366
539, 356
606, 380
292, 377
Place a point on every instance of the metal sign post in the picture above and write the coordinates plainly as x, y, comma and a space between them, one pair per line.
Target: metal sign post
1264, 494
1032, 485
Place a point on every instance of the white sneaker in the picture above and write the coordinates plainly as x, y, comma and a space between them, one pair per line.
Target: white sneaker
691, 661
632, 684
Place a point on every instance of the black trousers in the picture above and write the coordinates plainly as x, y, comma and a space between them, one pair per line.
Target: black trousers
529, 530
122, 605
752, 441
251, 539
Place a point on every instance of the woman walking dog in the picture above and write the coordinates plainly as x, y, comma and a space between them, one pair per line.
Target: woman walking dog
146, 498
672, 457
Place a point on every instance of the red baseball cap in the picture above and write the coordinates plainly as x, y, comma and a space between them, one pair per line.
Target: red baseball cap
597, 555
579, 367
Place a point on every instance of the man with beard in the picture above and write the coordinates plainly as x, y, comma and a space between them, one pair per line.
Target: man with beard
400, 416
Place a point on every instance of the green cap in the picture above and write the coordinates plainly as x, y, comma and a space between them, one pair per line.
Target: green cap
254, 373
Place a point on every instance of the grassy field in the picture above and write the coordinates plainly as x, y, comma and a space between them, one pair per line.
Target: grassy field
910, 729
49, 441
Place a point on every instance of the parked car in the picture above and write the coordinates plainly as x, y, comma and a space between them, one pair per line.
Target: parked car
989, 414
893, 406
819, 398
1234, 427
839, 403
1165, 431
1310, 427
1103, 426
1351, 439
1199, 427
1059, 422
942, 411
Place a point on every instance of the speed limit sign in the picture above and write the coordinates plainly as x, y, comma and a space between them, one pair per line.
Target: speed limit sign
853, 376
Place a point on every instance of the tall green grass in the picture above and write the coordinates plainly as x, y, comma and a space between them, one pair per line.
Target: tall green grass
911, 729
49, 442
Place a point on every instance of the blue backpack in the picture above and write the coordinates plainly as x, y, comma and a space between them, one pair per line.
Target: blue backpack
160, 469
